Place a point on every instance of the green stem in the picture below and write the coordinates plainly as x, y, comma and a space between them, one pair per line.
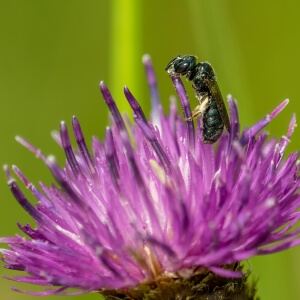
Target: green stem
125, 53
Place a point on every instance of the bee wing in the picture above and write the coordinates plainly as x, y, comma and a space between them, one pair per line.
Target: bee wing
215, 91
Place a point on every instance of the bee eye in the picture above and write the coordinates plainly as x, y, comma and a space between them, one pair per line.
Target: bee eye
181, 67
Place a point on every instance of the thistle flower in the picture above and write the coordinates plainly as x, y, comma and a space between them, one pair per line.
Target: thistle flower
153, 213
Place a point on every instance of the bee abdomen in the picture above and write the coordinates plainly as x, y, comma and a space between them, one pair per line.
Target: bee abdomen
212, 110
211, 135
213, 121
212, 124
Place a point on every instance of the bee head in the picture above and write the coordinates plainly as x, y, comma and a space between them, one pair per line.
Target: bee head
181, 65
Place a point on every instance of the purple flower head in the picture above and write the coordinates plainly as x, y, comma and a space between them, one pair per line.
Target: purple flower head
153, 204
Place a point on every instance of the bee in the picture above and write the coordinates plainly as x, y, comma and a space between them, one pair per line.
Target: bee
211, 105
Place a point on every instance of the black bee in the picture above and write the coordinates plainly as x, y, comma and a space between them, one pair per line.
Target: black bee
211, 105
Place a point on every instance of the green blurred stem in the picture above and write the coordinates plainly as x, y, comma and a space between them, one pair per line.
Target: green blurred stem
125, 53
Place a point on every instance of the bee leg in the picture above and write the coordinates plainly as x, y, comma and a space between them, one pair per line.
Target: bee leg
199, 109
195, 113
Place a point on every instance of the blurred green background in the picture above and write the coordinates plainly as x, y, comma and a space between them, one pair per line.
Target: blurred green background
54, 53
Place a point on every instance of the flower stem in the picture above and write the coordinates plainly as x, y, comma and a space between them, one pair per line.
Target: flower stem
125, 48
